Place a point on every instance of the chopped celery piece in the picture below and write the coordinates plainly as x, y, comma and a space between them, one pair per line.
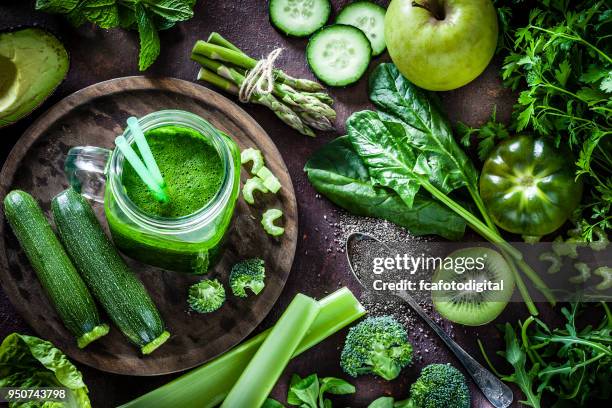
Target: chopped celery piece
207, 386
269, 179
266, 367
267, 220
250, 186
252, 155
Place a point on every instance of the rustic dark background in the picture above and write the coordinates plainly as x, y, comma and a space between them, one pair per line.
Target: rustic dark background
97, 55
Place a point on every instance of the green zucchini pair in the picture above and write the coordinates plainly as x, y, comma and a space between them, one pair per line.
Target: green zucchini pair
100, 267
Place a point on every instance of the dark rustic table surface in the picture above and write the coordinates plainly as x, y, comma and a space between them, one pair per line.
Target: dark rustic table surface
97, 55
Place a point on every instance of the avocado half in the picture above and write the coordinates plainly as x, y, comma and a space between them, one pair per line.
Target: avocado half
33, 62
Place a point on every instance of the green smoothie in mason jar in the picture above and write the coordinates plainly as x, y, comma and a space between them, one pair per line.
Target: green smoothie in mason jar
201, 170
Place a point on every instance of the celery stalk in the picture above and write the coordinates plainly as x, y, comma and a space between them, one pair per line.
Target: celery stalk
207, 386
267, 365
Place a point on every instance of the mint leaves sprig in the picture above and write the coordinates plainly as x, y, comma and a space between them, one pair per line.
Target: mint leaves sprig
146, 16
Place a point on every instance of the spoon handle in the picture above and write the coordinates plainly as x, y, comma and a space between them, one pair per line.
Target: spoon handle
498, 393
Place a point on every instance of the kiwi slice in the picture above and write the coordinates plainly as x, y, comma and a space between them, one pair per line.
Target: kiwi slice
471, 307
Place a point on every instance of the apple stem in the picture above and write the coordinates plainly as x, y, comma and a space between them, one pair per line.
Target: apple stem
433, 7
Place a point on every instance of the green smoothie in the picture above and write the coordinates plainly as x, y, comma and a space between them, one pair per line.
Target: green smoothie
195, 174
190, 166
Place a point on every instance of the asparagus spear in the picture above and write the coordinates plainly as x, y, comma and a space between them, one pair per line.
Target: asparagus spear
283, 111
296, 83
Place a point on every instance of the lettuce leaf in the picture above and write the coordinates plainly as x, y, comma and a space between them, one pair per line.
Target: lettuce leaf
27, 361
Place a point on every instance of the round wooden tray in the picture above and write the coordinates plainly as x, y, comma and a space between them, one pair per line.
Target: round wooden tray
94, 116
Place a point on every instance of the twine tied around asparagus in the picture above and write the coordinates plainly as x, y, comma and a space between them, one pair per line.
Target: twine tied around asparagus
260, 79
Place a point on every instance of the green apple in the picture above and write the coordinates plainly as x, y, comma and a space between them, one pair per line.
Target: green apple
441, 44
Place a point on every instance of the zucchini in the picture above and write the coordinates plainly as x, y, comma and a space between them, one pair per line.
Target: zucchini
56, 273
114, 285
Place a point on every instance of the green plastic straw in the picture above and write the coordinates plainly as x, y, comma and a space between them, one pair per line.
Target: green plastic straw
145, 151
142, 171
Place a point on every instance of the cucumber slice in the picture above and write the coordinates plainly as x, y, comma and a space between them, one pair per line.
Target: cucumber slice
369, 18
339, 54
299, 18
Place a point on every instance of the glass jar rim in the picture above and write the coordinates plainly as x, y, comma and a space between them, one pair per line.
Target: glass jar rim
174, 117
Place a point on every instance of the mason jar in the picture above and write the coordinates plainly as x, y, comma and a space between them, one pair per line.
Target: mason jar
189, 243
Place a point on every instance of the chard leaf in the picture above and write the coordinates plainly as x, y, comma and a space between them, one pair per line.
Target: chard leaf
29, 362
427, 130
338, 173
149, 38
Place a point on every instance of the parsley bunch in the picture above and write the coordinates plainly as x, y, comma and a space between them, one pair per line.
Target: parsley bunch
146, 16
561, 61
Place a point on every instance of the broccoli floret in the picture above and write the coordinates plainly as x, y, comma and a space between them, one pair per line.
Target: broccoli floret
250, 274
206, 296
377, 345
439, 386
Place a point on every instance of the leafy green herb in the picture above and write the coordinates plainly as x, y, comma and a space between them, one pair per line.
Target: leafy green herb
309, 392
30, 362
488, 135
570, 363
337, 172
146, 16
561, 60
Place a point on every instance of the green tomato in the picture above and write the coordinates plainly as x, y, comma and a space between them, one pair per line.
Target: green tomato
528, 186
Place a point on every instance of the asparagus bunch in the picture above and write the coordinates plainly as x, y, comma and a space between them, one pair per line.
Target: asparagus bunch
300, 103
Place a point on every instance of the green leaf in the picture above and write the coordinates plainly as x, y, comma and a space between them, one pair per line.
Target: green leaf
593, 74
337, 172
563, 72
56, 6
427, 130
517, 358
336, 386
272, 403
386, 153
606, 83
149, 38
304, 392
171, 10
104, 13
382, 402
27, 361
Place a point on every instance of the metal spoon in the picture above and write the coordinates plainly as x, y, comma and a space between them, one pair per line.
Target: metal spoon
498, 393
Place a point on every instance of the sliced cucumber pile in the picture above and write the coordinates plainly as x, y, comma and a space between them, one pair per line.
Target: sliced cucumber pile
299, 18
339, 54
369, 18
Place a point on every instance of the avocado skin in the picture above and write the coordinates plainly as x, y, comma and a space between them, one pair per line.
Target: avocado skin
33, 62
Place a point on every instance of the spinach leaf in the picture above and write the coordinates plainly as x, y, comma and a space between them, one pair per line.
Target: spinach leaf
427, 130
386, 152
149, 38
338, 173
